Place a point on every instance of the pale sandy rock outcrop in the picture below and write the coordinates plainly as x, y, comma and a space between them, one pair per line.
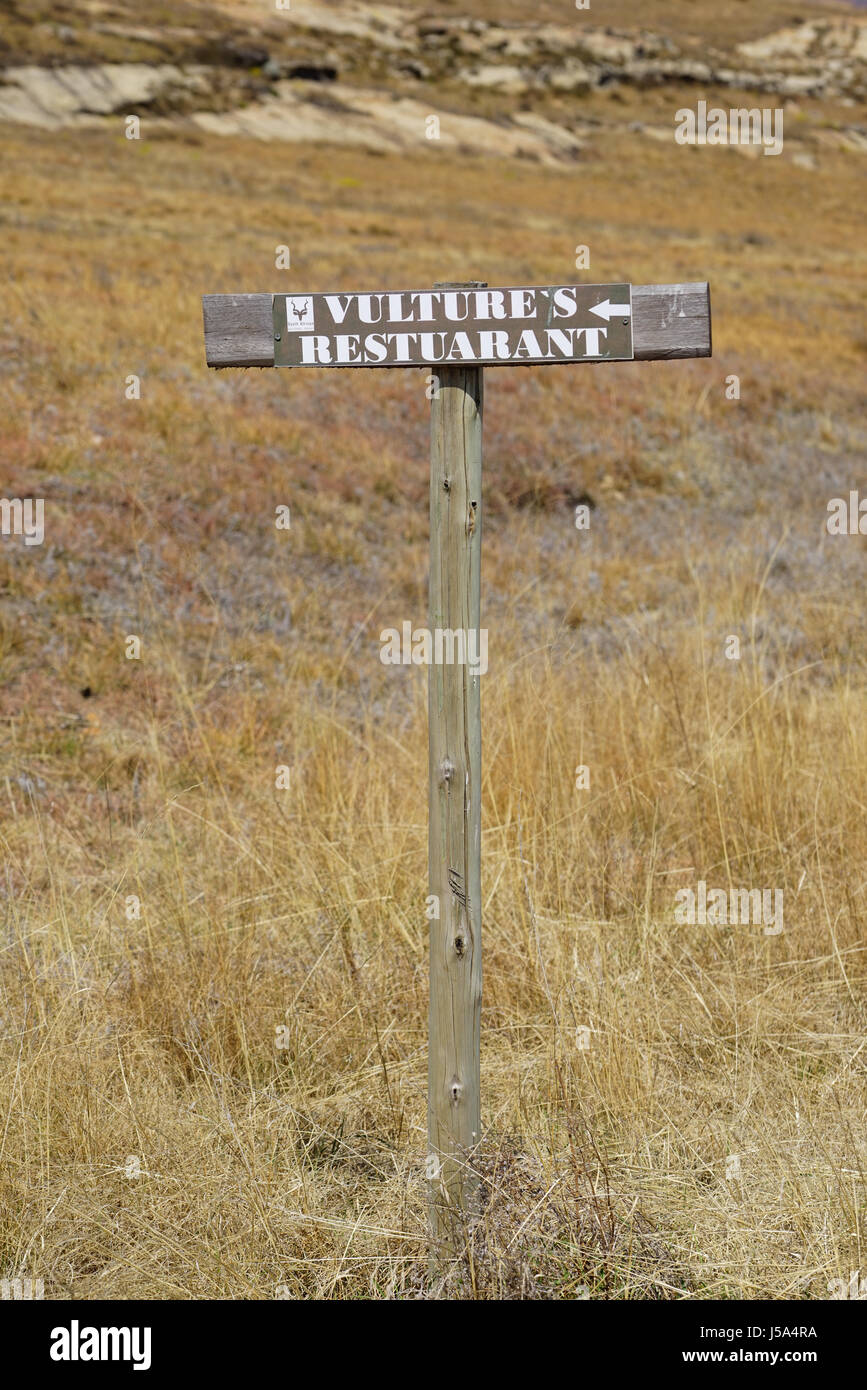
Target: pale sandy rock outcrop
817, 41
376, 121
51, 96
387, 26
502, 78
572, 77
615, 49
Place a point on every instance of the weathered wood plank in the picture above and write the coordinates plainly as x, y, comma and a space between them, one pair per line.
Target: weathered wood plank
455, 824
669, 321
238, 330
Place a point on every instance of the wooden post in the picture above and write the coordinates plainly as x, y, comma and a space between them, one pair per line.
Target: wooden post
519, 325
455, 826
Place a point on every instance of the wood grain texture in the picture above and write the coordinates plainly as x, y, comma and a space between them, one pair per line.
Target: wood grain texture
670, 321
455, 821
238, 330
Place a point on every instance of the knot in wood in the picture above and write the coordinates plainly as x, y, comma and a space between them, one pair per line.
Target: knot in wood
447, 771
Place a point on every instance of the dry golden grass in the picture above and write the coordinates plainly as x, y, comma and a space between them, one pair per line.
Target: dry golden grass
297, 1170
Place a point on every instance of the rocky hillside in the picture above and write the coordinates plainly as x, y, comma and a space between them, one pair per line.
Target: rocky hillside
372, 75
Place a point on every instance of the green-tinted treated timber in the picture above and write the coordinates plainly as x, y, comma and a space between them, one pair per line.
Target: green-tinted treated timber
454, 1116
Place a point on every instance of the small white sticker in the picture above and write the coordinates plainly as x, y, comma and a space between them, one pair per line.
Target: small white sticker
299, 311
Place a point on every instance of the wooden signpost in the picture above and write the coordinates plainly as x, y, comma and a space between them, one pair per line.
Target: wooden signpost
455, 331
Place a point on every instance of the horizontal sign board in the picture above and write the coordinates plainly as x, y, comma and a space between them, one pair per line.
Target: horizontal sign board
478, 326
668, 322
